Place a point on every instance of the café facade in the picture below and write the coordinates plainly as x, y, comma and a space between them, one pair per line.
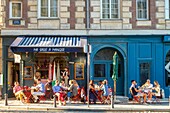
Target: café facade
141, 57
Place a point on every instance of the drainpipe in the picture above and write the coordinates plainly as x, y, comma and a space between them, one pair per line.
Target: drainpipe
88, 52
87, 15
5, 73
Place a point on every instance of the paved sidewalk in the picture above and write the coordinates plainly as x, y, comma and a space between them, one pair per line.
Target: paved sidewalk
15, 105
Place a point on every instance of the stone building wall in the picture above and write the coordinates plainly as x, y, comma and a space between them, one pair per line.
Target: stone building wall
72, 15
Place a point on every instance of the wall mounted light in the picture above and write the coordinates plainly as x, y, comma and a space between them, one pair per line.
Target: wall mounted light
75, 54
26, 54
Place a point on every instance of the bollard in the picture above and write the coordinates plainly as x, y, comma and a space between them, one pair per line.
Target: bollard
6, 99
112, 101
55, 105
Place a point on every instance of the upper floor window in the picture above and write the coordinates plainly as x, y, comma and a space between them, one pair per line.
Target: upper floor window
142, 9
110, 9
48, 8
167, 9
15, 9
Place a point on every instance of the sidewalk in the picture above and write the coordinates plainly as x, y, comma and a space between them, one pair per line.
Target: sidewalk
48, 106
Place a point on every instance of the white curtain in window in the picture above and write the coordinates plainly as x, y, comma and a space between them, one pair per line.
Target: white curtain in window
16, 9
142, 9
110, 9
53, 6
44, 8
167, 12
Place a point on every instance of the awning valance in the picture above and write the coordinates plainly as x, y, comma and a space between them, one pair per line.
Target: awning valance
48, 44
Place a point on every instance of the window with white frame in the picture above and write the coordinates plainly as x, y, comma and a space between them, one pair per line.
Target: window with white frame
110, 9
167, 9
142, 9
48, 8
15, 9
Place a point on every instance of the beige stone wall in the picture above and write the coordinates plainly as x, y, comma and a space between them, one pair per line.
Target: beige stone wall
64, 22
122, 23
160, 15
80, 14
2, 13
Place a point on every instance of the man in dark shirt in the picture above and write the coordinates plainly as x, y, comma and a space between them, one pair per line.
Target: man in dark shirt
134, 91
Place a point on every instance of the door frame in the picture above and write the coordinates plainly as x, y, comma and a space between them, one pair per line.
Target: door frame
124, 55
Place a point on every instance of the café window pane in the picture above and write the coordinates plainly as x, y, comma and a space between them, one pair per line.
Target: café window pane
99, 70
110, 9
15, 9
142, 9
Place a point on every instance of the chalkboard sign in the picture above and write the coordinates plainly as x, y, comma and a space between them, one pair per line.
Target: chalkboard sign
78, 71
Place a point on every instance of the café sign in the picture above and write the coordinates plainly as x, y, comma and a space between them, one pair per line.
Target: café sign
48, 49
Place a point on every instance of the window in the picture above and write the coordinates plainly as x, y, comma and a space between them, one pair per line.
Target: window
48, 8
99, 70
110, 9
167, 7
15, 9
142, 9
144, 69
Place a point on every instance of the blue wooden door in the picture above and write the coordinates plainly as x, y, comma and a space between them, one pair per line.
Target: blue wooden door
104, 70
120, 81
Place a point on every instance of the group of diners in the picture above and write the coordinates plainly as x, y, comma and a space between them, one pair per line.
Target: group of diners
98, 91
38, 89
146, 91
62, 91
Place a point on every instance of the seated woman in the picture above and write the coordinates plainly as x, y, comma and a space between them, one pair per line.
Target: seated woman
38, 90
63, 85
92, 92
76, 84
48, 85
58, 92
155, 91
18, 92
104, 87
72, 90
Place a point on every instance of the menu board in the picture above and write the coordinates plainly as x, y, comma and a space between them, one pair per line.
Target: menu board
78, 71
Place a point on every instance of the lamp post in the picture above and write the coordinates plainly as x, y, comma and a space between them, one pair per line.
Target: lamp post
88, 71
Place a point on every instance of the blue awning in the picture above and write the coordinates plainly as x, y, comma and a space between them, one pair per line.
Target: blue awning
48, 44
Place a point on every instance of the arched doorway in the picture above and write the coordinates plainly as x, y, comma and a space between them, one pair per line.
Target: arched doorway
103, 68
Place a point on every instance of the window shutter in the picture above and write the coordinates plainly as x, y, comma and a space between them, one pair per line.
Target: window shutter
166, 9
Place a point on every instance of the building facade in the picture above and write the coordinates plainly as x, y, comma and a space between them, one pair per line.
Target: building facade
42, 32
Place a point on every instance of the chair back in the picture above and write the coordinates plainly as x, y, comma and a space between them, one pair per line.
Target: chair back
162, 94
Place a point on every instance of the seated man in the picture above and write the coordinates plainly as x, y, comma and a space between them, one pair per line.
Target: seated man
39, 90
135, 92
58, 92
18, 92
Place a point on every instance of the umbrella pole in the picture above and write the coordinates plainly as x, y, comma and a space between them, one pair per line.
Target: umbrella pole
114, 90
113, 97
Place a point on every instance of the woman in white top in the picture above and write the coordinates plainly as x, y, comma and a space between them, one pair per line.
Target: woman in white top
155, 91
